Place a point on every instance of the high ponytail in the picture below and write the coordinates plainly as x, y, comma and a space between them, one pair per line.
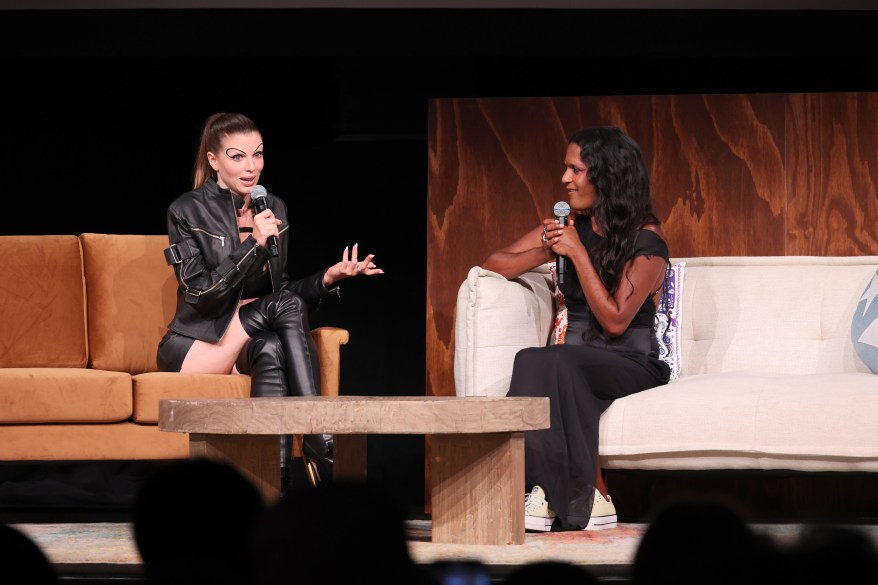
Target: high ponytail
215, 127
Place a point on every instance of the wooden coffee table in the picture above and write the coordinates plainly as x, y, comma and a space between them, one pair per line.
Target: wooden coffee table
476, 447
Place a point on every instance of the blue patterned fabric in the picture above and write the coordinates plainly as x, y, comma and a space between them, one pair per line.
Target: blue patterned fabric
864, 327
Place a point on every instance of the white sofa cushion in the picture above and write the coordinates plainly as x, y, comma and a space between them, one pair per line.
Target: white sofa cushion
770, 377
813, 422
495, 319
772, 314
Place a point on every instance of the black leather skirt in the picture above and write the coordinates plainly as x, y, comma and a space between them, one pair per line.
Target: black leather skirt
172, 351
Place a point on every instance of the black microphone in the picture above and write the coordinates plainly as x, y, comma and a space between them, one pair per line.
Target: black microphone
257, 198
562, 210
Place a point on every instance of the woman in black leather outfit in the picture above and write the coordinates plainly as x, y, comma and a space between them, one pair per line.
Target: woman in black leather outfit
237, 308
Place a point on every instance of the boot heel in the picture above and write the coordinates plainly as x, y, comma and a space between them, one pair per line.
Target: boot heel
317, 459
314, 466
311, 471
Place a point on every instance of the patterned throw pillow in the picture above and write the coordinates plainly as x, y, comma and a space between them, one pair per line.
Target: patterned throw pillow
667, 319
864, 327
670, 346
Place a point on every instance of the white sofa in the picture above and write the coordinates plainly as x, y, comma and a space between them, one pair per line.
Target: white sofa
769, 376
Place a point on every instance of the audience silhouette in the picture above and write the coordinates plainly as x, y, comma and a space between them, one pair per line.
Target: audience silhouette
702, 539
339, 533
200, 521
22, 561
827, 553
460, 572
193, 521
552, 571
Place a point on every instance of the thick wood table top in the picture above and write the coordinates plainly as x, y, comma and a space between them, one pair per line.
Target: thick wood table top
354, 415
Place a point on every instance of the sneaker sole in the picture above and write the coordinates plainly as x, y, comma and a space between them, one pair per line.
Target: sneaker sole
601, 523
538, 523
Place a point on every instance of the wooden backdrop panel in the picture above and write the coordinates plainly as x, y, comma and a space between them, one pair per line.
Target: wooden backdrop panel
832, 178
731, 174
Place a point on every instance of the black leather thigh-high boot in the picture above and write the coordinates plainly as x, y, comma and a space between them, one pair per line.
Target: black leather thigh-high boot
263, 360
286, 314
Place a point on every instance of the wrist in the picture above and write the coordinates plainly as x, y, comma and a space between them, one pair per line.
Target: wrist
579, 256
328, 278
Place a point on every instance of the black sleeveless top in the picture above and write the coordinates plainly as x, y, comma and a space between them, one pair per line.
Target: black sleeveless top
648, 243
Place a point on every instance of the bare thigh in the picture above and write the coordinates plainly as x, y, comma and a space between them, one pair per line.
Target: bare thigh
220, 357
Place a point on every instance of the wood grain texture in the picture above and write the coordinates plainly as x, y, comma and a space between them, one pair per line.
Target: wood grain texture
732, 174
477, 459
478, 482
350, 458
832, 178
257, 457
353, 415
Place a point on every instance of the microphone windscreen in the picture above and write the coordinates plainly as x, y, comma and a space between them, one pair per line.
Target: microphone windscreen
257, 192
562, 209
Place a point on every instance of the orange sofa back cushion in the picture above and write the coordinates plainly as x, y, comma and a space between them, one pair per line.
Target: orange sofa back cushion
42, 302
131, 299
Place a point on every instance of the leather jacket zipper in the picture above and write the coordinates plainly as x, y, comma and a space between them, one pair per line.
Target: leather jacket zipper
222, 239
198, 293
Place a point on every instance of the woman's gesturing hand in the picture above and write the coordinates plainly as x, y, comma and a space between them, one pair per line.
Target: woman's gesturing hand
351, 266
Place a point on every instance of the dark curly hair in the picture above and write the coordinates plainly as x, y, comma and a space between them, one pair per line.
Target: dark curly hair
620, 178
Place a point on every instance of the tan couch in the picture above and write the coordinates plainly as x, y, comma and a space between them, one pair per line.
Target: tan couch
81, 319
769, 376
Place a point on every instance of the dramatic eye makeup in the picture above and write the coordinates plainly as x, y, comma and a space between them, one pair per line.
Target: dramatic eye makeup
234, 153
237, 154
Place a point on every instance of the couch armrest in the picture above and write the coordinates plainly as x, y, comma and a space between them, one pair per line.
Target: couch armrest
494, 319
329, 341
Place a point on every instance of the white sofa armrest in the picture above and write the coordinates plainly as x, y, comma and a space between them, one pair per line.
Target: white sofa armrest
494, 319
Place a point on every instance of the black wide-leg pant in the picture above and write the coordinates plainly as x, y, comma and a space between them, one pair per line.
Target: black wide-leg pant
581, 382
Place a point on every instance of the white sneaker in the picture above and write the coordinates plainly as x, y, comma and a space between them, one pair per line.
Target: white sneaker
537, 515
603, 513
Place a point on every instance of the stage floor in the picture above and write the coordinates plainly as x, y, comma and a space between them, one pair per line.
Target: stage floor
107, 549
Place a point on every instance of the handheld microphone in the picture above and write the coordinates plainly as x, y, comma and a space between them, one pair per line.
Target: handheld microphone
257, 198
561, 210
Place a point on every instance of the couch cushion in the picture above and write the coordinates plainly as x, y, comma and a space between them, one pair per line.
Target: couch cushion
120, 441
495, 318
774, 315
131, 299
42, 301
864, 327
57, 395
152, 387
735, 420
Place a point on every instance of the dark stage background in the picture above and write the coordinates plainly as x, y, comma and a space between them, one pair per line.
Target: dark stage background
102, 109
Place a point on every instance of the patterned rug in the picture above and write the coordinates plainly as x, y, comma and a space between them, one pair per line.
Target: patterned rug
112, 544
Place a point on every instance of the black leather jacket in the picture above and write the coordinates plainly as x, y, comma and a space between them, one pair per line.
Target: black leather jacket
211, 262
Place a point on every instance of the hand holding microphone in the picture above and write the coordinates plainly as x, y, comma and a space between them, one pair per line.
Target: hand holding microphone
561, 211
260, 204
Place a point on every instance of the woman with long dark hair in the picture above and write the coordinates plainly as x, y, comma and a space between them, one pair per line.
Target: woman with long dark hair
617, 265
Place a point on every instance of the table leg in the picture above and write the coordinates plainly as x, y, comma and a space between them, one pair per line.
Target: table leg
257, 457
349, 457
477, 488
